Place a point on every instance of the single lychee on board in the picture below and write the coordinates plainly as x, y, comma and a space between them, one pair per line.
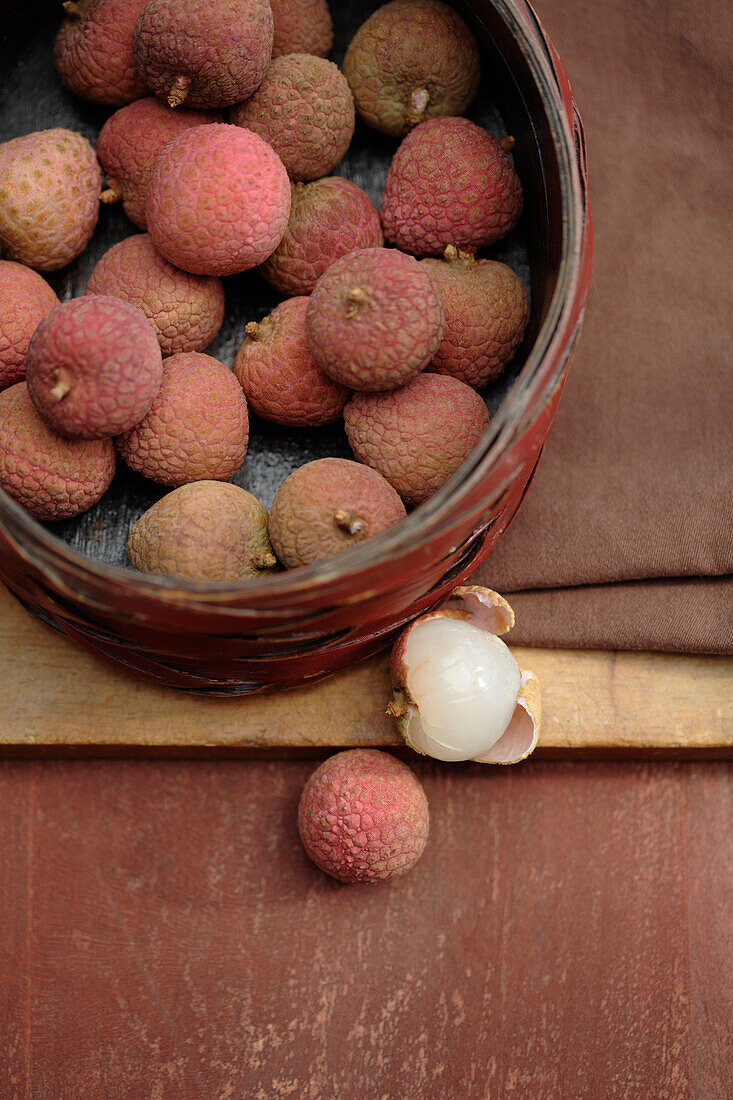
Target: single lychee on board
218, 201
411, 61
204, 531
375, 319
304, 109
328, 506
279, 376
93, 51
204, 53
418, 435
197, 428
49, 198
363, 817
450, 182
25, 299
186, 311
329, 218
51, 477
486, 314
302, 26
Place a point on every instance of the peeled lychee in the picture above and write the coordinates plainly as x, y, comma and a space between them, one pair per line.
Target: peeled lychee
450, 182
129, 143
186, 311
329, 218
486, 314
93, 52
374, 319
197, 428
218, 201
51, 477
279, 376
304, 109
411, 61
204, 53
302, 26
363, 817
94, 367
205, 531
25, 299
49, 198
328, 506
419, 435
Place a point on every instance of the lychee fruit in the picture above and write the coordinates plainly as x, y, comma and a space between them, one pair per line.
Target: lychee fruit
205, 531
25, 299
94, 367
411, 61
363, 817
328, 506
419, 435
304, 109
186, 311
51, 477
450, 182
302, 26
374, 319
218, 201
197, 428
204, 53
329, 218
486, 314
129, 143
280, 378
93, 51
49, 198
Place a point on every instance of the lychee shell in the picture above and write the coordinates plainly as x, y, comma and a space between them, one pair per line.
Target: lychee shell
26, 299
93, 52
302, 26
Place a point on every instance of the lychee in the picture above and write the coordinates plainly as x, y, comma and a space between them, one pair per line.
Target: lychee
25, 299
363, 817
205, 531
94, 367
419, 435
218, 201
411, 61
486, 314
197, 428
279, 376
205, 53
51, 477
302, 26
329, 218
450, 182
374, 319
328, 506
186, 311
49, 198
93, 51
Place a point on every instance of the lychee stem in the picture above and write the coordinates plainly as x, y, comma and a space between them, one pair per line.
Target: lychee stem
73, 9
419, 99
109, 195
507, 143
59, 391
252, 329
453, 254
266, 560
356, 297
348, 522
179, 90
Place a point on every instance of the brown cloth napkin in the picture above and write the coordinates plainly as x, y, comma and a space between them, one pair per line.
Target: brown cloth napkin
625, 538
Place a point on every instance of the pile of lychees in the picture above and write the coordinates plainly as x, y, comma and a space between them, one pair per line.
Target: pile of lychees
388, 321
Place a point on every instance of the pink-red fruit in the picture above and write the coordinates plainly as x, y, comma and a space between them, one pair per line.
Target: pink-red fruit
363, 817
25, 299
302, 26
93, 51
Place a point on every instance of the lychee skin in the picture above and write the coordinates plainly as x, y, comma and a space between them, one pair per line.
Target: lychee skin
26, 299
197, 428
186, 311
304, 109
280, 378
218, 201
374, 320
486, 314
328, 506
129, 143
411, 61
329, 218
302, 26
93, 51
363, 817
419, 435
50, 183
450, 182
220, 49
51, 477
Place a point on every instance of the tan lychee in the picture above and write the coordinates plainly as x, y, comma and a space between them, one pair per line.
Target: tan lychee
25, 299
302, 26
93, 50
